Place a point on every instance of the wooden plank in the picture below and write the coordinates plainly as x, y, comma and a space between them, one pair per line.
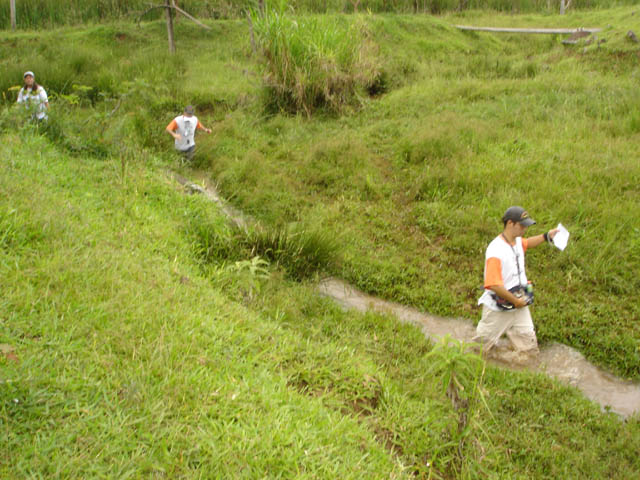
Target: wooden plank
528, 30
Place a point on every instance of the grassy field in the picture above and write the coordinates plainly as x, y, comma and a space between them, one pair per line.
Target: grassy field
141, 337
125, 355
414, 183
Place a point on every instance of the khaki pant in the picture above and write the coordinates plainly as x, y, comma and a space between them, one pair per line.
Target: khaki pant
516, 323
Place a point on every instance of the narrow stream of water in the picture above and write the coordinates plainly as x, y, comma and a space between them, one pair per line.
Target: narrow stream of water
556, 360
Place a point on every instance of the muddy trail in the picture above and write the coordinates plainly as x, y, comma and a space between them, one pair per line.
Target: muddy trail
556, 360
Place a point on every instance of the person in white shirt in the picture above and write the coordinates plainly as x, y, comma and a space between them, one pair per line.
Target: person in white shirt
33, 97
506, 298
183, 130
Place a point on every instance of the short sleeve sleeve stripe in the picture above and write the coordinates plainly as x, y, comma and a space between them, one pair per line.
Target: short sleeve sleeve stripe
493, 273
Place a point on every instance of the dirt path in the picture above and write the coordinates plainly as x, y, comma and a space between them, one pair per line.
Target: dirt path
556, 360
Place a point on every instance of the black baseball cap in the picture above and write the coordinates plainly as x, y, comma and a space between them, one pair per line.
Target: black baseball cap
518, 215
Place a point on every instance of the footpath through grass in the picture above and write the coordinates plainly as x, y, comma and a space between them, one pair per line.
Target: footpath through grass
127, 356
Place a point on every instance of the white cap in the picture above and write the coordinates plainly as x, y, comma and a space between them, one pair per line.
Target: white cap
29, 72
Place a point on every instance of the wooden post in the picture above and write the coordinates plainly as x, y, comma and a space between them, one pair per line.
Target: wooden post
169, 6
169, 13
564, 4
13, 14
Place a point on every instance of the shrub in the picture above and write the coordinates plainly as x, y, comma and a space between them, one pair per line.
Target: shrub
299, 252
213, 237
311, 63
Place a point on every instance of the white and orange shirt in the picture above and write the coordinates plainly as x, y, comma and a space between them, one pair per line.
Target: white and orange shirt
504, 266
186, 127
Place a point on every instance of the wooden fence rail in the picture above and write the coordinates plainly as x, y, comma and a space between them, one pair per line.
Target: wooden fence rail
529, 30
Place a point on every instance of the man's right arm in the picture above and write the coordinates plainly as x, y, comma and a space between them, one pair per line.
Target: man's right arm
171, 129
508, 296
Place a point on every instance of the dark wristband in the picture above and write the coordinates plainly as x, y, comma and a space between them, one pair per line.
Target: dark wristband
545, 235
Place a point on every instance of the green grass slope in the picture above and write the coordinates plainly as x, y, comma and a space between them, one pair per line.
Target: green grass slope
124, 355
413, 183
128, 362
141, 338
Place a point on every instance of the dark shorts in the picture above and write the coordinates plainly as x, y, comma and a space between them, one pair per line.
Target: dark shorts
188, 153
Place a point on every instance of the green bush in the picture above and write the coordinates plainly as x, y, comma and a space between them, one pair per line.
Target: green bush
299, 252
312, 63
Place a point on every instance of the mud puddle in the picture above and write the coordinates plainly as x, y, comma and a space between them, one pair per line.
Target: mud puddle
556, 360
559, 361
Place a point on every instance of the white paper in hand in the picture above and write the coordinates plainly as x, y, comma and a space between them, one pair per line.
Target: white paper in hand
561, 238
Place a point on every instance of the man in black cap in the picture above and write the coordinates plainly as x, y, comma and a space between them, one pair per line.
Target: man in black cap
507, 292
183, 129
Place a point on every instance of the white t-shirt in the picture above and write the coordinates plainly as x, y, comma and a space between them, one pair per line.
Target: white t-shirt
34, 101
186, 127
511, 266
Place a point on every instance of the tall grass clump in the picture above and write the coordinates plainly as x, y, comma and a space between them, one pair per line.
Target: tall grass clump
213, 237
461, 372
299, 252
39, 13
312, 63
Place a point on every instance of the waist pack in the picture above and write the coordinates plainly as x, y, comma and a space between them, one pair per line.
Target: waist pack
520, 292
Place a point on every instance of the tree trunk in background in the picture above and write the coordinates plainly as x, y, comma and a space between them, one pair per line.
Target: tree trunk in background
169, 13
13, 14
